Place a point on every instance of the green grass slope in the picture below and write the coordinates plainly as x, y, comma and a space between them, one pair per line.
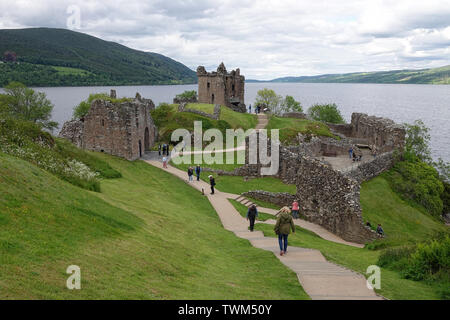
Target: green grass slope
86, 60
146, 236
402, 223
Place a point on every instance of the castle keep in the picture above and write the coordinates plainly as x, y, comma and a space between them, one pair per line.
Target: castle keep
221, 88
122, 129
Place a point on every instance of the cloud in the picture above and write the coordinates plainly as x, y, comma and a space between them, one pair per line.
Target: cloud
264, 38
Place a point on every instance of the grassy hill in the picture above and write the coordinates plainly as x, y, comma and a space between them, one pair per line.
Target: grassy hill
60, 57
423, 76
138, 239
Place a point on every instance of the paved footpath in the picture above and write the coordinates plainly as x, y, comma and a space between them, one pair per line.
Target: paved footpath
319, 278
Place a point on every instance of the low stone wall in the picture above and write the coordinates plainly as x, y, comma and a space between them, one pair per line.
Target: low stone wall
214, 116
368, 170
185, 100
297, 115
279, 198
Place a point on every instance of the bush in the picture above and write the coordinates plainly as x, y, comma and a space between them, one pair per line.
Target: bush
419, 182
187, 95
83, 108
430, 261
162, 114
326, 113
396, 258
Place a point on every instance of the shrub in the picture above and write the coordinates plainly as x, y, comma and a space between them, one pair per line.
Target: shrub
326, 113
289, 104
26, 140
162, 114
430, 260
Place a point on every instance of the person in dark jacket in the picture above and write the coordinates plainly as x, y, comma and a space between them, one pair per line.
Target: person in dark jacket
283, 228
159, 149
380, 230
190, 173
252, 214
212, 182
198, 169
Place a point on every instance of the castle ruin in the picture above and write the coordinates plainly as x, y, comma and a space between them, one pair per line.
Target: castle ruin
122, 129
221, 88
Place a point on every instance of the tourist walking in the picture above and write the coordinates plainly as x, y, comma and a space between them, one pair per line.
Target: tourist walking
159, 149
250, 109
212, 182
283, 228
350, 152
190, 174
198, 169
295, 209
164, 162
252, 214
164, 149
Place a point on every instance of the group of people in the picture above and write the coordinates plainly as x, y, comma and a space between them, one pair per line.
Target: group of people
197, 170
164, 148
257, 109
380, 230
355, 153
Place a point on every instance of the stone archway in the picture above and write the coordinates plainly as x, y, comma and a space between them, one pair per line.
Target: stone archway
146, 140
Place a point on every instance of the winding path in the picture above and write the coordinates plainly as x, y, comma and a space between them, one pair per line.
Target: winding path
320, 278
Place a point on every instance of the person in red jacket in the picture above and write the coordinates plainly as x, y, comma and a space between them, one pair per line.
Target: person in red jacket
295, 209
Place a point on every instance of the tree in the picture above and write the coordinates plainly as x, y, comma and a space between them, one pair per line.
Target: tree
417, 142
26, 104
326, 113
187, 95
267, 98
290, 105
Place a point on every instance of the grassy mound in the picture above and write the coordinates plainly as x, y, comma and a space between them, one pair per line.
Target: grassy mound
146, 236
290, 128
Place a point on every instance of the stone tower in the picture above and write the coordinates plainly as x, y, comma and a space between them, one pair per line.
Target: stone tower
221, 88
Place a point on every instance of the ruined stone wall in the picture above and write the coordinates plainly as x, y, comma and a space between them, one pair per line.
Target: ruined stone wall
384, 133
125, 130
221, 88
73, 131
331, 199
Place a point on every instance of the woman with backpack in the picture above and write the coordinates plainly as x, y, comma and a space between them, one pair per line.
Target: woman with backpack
283, 228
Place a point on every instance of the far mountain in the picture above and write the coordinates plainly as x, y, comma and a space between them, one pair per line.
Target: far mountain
60, 57
423, 76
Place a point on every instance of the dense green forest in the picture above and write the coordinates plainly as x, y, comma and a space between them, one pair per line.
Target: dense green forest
59, 57
424, 76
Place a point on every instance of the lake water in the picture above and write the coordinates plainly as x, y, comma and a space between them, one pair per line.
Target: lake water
401, 103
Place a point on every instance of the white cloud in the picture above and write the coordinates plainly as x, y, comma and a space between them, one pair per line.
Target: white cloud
265, 38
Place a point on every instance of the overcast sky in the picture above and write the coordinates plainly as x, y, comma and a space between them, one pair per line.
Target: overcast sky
266, 39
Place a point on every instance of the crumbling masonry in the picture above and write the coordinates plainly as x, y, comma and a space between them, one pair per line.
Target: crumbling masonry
221, 88
123, 129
